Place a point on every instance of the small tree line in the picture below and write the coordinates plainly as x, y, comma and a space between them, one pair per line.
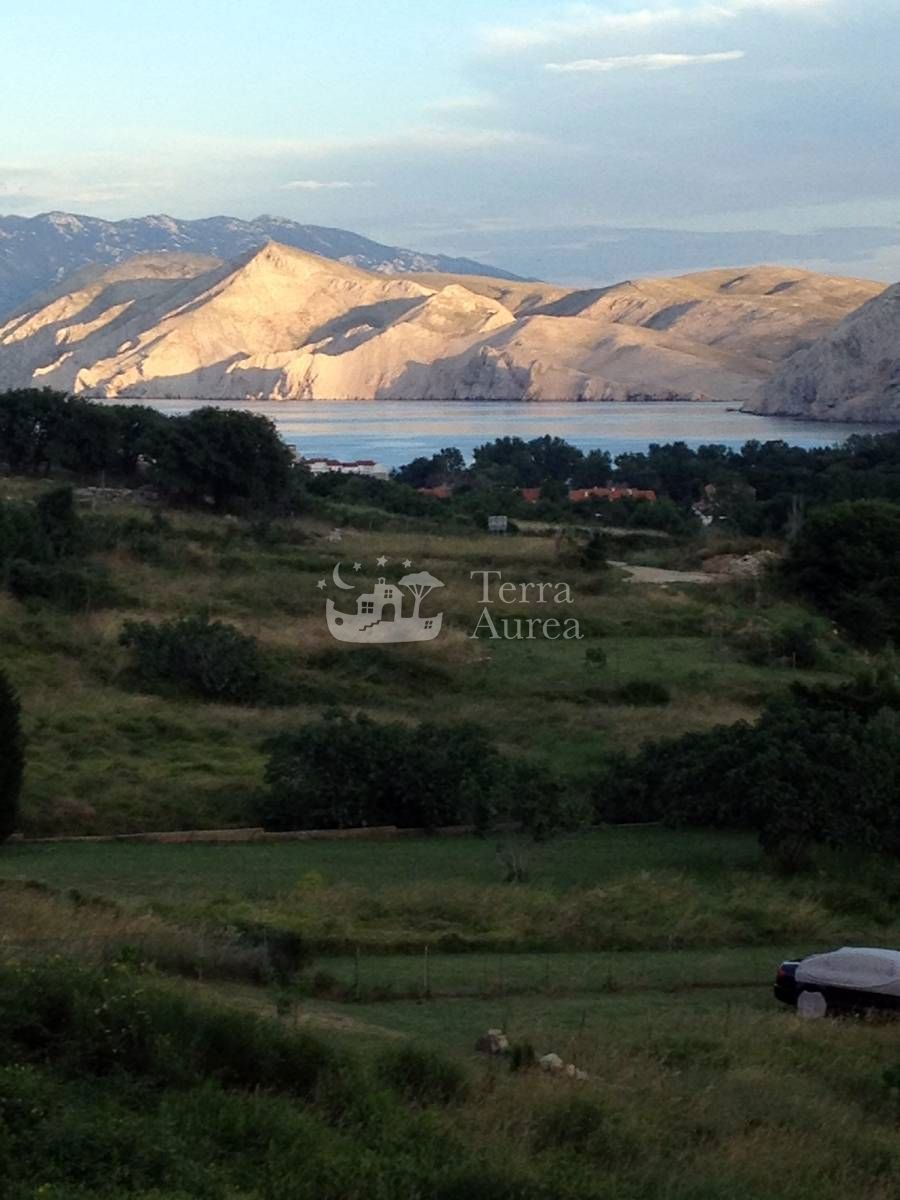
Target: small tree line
229, 459
820, 767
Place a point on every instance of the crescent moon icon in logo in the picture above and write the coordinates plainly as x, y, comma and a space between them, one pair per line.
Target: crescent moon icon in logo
336, 576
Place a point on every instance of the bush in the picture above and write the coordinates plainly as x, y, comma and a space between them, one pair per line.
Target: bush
344, 773
846, 559
595, 554
795, 644
12, 757
74, 588
96, 1024
209, 658
421, 1076
540, 803
351, 773
41, 549
821, 766
42, 533
595, 656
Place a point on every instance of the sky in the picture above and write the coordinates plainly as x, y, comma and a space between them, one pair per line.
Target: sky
579, 142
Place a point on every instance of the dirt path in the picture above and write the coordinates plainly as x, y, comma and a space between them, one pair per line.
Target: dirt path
660, 576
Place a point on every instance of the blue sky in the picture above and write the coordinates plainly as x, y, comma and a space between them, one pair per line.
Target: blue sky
528, 133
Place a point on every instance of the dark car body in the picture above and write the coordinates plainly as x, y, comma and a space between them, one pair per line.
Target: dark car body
786, 986
838, 997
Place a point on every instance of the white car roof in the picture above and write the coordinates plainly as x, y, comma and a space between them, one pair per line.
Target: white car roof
859, 968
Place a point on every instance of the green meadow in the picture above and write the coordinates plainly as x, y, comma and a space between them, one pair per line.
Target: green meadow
107, 757
298, 1019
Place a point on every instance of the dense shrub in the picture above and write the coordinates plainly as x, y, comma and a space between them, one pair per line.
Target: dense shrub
230, 458
41, 554
421, 1076
44, 532
536, 799
349, 772
846, 560
12, 757
75, 588
595, 554
209, 658
794, 644
346, 773
96, 1024
822, 766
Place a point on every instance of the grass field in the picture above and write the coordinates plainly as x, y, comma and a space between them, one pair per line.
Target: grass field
266, 871
644, 956
106, 756
700, 1086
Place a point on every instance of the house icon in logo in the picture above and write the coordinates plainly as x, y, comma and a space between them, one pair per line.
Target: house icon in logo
379, 616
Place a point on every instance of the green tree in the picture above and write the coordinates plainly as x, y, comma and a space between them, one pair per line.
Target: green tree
594, 470
29, 422
446, 467
846, 560
12, 757
232, 459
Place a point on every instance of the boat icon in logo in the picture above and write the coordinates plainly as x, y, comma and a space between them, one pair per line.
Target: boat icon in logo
380, 616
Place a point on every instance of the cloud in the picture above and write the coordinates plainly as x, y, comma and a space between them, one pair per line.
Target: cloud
324, 185
592, 255
438, 138
452, 105
644, 62
591, 20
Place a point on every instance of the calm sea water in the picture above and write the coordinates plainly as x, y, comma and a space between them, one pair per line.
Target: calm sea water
393, 432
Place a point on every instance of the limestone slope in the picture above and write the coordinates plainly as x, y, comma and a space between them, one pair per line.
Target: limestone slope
851, 374
286, 324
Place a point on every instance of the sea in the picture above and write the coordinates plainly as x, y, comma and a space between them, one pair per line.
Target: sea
393, 432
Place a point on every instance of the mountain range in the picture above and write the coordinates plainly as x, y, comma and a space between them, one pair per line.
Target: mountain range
282, 323
850, 374
37, 252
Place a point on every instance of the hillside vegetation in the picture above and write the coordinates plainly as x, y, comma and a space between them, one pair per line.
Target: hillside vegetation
298, 1018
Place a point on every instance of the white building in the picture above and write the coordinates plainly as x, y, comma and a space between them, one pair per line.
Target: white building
360, 466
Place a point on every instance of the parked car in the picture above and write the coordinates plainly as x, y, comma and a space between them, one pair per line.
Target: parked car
850, 979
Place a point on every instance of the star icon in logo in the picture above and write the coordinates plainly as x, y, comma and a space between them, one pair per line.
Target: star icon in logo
407, 562
322, 585
382, 562
357, 566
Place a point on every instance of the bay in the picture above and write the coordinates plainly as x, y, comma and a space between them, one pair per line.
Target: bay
394, 432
